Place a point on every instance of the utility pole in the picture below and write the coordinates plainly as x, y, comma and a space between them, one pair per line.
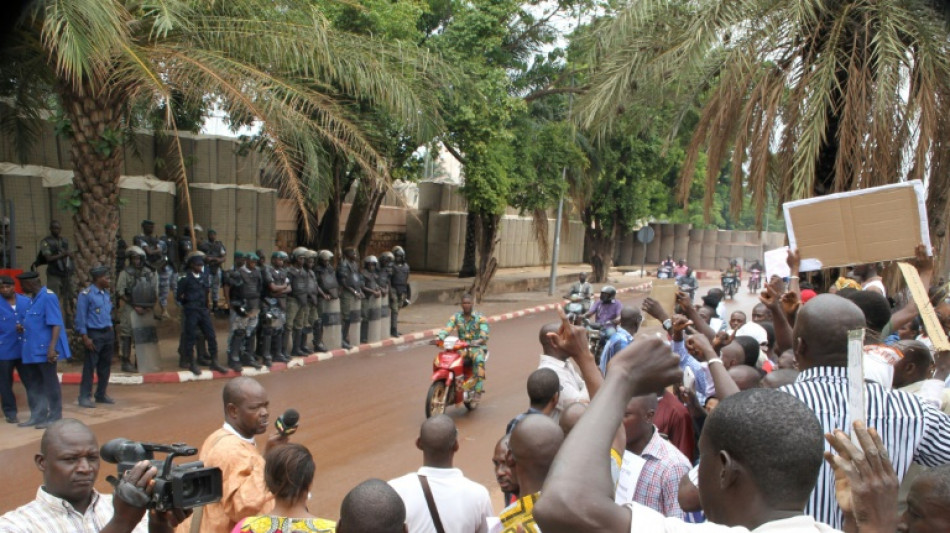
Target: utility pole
560, 213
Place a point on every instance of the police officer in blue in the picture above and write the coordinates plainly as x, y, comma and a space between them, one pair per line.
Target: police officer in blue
12, 310
94, 324
44, 343
193, 293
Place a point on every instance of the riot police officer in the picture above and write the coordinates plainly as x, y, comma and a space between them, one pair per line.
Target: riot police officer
155, 258
245, 288
399, 289
351, 294
215, 254
185, 245
273, 322
193, 292
370, 288
297, 301
314, 295
329, 291
136, 289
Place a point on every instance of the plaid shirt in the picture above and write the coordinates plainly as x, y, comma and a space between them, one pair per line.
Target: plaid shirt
50, 514
658, 485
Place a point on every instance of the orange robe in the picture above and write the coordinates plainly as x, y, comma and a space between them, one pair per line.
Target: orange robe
243, 493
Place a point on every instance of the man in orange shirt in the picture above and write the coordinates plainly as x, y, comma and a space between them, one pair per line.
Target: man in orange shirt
233, 449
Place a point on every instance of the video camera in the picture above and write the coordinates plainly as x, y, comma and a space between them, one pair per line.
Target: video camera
182, 486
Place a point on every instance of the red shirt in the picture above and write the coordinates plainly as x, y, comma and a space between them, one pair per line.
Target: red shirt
673, 420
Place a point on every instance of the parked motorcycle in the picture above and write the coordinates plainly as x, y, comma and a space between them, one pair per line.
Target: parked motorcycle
755, 280
453, 378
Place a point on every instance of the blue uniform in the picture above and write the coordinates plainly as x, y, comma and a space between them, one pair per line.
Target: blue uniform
11, 344
42, 314
94, 318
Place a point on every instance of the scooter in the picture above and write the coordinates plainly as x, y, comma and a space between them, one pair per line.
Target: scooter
755, 280
665, 272
453, 378
730, 285
576, 306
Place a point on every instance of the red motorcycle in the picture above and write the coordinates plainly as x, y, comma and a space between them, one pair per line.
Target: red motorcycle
453, 379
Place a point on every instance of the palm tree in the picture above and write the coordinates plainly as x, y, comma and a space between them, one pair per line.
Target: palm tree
280, 65
806, 97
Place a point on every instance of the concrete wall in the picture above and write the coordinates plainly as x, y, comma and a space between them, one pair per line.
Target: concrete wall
707, 249
435, 235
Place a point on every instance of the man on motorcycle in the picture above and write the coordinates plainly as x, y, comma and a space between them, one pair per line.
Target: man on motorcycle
680, 269
666, 268
472, 327
606, 310
581, 287
731, 277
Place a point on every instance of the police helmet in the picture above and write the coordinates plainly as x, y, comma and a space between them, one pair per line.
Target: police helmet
398, 250
195, 256
387, 255
325, 255
134, 250
299, 251
310, 254
279, 255
370, 259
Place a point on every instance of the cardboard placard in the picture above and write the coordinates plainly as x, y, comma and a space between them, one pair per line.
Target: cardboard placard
927, 314
865, 226
663, 291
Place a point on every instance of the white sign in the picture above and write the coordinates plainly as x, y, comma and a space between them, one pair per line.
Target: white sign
630, 469
776, 264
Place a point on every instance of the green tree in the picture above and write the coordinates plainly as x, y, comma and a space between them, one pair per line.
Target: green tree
101, 60
813, 97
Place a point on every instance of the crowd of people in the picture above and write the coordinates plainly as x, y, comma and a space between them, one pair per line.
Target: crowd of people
701, 422
276, 310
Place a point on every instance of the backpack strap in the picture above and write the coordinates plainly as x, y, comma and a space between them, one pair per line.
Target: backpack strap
430, 501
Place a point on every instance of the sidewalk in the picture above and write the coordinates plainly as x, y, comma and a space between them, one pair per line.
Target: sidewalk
513, 292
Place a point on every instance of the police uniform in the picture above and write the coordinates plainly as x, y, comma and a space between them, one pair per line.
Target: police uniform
246, 289
274, 316
11, 348
192, 293
313, 324
94, 320
370, 286
42, 314
214, 250
170, 242
297, 302
136, 287
351, 285
59, 273
156, 259
329, 291
399, 293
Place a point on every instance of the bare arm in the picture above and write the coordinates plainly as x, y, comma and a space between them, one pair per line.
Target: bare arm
783, 330
691, 313
699, 346
573, 341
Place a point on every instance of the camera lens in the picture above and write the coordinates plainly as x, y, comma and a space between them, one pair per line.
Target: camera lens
189, 489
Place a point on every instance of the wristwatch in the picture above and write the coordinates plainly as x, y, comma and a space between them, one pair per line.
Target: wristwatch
668, 324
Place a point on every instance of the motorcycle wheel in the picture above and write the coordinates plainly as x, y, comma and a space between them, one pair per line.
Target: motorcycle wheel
436, 399
472, 403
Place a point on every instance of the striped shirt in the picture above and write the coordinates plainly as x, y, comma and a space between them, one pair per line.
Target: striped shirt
50, 514
912, 431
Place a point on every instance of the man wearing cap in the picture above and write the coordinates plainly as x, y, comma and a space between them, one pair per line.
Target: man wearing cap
214, 257
137, 290
193, 295
329, 291
351, 294
94, 324
12, 311
276, 289
399, 291
44, 342
59, 263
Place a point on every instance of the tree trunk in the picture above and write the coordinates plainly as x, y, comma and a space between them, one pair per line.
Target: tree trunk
96, 117
371, 225
369, 197
469, 256
488, 234
601, 242
328, 234
938, 197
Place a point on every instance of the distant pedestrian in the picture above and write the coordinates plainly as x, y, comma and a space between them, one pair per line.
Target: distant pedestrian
44, 343
94, 324
12, 311
59, 264
399, 290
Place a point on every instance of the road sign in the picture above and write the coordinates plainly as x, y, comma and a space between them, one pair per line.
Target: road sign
645, 235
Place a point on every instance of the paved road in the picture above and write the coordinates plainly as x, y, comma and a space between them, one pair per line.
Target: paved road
359, 414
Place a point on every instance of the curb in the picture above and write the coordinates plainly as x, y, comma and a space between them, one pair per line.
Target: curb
73, 378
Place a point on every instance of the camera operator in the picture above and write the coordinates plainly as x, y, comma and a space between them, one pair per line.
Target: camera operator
68, 502
232, 449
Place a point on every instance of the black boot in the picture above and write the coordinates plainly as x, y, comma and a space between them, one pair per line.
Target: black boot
193, 365
264, 345
345, 330
247, 354
127, 365
213, 364
277, 348
393, 321
364, 332
285, 343
234, 352
318, 345
304, 350
295, 350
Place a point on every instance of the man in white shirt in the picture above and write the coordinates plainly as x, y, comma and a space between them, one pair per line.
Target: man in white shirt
573, 387
462, 506
67, 501
738, 448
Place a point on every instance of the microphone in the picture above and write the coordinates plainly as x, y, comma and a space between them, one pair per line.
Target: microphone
286, 423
